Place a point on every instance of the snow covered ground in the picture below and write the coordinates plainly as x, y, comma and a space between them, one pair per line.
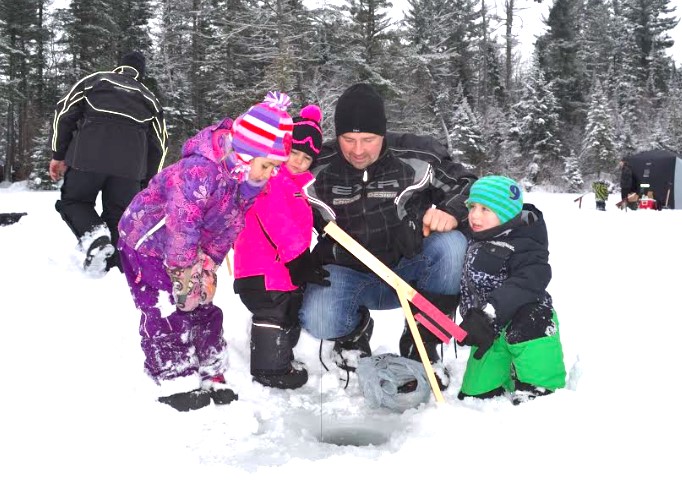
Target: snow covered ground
76, 408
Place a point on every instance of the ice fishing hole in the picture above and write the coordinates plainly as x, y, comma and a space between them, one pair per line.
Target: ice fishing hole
353, 436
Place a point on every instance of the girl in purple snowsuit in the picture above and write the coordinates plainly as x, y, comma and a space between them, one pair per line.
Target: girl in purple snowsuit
175, 234
272, 260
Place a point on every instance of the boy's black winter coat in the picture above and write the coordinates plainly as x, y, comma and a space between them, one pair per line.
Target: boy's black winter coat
508, 267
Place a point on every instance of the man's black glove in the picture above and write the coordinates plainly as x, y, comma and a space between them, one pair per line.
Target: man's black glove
409, 237
305, 269
479, 330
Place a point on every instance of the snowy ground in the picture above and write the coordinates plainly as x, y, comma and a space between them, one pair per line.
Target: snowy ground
77, 409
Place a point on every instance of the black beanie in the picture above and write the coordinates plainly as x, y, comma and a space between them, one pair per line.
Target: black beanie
136, 60
360, 109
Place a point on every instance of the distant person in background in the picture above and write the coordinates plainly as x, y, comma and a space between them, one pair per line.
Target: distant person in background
507, 312
601, 194
109, 137
177, 232
272, 260
629, 187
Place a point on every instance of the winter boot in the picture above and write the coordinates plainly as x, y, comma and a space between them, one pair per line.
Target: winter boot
497, 392
295, 377
525, 392
97, 255
218, 390
186, 401
349, 349
408, 349
272, 357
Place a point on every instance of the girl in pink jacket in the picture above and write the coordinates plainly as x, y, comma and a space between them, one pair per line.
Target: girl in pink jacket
272, 260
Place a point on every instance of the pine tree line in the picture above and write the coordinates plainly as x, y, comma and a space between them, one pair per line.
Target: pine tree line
600, 84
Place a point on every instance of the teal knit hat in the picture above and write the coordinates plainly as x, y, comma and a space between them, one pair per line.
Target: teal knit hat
500, 194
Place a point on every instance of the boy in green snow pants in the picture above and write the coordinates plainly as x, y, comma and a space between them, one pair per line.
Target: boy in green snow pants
507, 311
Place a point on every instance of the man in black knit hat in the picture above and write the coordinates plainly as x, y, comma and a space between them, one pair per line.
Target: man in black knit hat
402, 197
108, 136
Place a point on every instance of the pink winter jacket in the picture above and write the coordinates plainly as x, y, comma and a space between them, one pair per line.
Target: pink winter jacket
277, 229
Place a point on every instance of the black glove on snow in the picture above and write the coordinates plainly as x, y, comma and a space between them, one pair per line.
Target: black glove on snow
479, 330
305, 269
409, 238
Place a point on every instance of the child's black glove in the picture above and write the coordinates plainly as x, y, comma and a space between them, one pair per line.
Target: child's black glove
479, 330
305, 269
409, 238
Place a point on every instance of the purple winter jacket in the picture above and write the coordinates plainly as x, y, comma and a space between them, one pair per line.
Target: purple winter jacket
278, 228
196, 203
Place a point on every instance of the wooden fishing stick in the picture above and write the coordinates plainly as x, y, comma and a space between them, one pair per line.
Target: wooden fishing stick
436, 322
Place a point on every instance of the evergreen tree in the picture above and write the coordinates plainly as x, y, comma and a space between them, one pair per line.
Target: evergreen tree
558, 56
19, 33
132, 18
598, 149
535, 128
89, 32
597, 39
572, 176
429, 61
467, 138
369, 24
652, 22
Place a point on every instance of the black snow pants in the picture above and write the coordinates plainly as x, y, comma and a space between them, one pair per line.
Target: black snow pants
79, 194
275, 328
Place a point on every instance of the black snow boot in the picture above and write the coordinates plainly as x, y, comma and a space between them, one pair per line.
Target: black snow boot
295, 377
525, 392
97, 255
272, 356
349, 349
218, 390
186, 401
408, 349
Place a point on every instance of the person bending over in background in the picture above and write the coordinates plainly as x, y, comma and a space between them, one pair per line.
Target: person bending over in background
109, 137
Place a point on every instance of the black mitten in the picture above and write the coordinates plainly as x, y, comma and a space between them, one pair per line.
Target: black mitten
409, 238
305, 269
479, 330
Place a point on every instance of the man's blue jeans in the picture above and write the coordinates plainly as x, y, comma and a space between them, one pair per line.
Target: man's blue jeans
332, 312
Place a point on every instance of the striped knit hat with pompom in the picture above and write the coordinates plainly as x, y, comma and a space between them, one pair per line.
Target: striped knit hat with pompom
307, 132
264, 130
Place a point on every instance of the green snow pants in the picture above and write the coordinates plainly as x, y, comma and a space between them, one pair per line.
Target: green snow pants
538, 362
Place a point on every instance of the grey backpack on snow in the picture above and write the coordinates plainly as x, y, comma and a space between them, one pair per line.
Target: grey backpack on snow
393, 382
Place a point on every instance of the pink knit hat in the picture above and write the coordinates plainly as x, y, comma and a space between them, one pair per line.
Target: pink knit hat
264, 130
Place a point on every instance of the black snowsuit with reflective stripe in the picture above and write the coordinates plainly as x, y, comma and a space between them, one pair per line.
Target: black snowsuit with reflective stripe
111, 124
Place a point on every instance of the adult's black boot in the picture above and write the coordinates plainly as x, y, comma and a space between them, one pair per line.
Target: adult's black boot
447, 304
349, 349
97, 254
